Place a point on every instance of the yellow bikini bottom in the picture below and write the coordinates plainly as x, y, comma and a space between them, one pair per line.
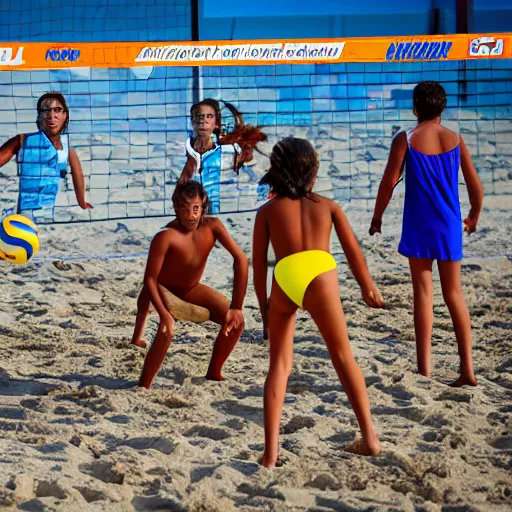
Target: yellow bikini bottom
295, 272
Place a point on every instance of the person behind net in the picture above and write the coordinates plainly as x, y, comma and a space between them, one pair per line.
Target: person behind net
298, 223
176, 260
42, 159
432, 225
210, 151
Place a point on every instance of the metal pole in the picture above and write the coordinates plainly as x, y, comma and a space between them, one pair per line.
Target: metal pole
197, 78
462, 9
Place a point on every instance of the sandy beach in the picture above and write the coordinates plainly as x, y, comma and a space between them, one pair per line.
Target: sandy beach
77, 435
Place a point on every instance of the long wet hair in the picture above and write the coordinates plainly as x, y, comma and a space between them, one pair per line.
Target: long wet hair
429, 100
189, 190
53, 96
293, 167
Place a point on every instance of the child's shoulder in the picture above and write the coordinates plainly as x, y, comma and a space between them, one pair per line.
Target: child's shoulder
324, 202
211, 223
168, 230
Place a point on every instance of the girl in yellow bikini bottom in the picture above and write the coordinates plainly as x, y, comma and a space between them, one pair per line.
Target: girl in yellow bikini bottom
295, 272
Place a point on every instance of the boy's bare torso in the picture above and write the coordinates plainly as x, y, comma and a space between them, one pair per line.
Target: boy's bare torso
186, 256
289, 236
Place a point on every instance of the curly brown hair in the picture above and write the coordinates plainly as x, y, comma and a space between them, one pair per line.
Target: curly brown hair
293, 168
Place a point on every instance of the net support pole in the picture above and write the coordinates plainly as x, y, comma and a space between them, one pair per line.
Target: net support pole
462, 13
197, 76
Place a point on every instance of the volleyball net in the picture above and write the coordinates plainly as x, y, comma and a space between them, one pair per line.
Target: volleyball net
129, 109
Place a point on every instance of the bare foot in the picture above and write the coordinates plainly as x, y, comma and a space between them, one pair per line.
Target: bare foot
212, 376
140, 343
270, 462
464, 380
361, 447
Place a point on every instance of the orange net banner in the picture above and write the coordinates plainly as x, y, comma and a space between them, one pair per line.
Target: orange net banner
249, 53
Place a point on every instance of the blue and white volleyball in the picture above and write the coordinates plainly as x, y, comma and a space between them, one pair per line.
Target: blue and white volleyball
19, 239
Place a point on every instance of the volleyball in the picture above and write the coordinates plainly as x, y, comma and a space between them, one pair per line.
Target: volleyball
19, 239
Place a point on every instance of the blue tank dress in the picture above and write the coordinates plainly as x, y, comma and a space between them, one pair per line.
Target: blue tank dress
209, 169
40, 168
432, 223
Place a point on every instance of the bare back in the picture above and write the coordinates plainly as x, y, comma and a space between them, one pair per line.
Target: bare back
299, 225
432, 139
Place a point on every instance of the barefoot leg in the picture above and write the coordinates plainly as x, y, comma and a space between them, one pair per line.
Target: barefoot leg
322, 301
218, 305
143, 302
421, 273
155, 357
223, 347
281, 327
449, 272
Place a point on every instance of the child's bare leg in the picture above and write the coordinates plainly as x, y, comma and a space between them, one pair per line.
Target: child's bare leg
281, 327
223, 347
155, 357
421, 273
322, 301
143, 302
449, 272
218, 305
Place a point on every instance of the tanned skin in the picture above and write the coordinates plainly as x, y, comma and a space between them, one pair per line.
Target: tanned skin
431, 138
295, 225
176, 260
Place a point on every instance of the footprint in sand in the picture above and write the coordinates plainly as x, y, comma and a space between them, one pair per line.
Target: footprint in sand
106, 471
51, 448
143, 503
235, 408
161, 444
175, 374
174, 402
397, 392
34, 404
503, 443
454, 396
297, 423
214, 433
235, 423
324, 482
256, 491
92, 495
12, 413
196, 475
120, 419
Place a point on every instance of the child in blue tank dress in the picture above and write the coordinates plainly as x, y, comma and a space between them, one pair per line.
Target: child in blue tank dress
43, 158
432, 225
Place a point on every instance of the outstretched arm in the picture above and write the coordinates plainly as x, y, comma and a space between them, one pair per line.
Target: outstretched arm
78, 179
261, 239
9, 149
234, 318
355, 257
240, 265
474, 186
391, 177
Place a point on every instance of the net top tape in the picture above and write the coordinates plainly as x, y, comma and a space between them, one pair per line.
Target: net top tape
20, 56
